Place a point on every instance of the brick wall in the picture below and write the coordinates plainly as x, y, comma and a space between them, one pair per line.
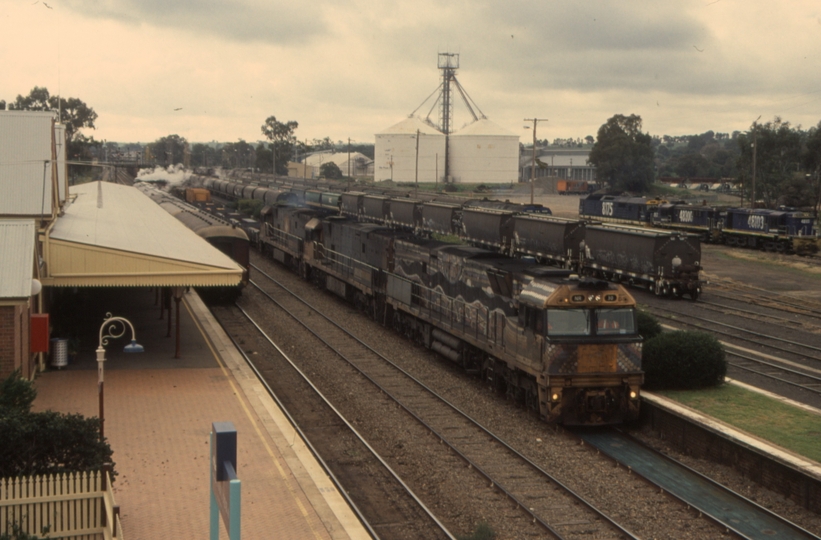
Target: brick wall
15, 326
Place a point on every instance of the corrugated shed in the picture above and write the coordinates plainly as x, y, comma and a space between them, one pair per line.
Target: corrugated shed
17, 237
129, 240
25, 163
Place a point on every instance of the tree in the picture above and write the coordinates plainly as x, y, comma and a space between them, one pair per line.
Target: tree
263, 157
169, 150
778, 158
204, 155
283, 140
330, 170
623, 155
692, 165
812, 162
238, 155
74, 113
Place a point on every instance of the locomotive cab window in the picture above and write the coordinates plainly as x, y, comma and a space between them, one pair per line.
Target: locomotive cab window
615, 321
568, 322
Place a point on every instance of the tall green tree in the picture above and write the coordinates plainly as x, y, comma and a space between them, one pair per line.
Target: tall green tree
778, 159
74, 113
623, 155
205, 155
238, 155
168, 150
283, 141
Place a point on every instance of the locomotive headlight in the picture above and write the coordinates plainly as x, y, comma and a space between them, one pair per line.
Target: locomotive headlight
555, 397
633, 395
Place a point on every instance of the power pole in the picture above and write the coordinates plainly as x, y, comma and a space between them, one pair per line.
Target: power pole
349, 158
533, 164
755, 148
417, 163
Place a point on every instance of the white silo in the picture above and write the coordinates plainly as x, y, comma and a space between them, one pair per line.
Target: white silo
483, 152
395, 152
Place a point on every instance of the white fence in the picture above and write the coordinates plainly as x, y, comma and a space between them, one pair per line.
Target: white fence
70, 505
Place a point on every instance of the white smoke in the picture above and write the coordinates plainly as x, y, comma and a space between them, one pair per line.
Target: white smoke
174, 174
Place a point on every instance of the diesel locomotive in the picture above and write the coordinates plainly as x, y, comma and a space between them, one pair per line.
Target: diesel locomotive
563, 346
783, 231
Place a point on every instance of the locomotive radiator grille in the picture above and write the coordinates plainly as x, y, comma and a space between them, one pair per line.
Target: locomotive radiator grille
597, 358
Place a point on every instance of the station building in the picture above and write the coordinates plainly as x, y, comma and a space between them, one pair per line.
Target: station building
92, 235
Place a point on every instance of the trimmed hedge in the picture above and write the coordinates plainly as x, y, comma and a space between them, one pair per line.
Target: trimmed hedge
683, 361
647, 325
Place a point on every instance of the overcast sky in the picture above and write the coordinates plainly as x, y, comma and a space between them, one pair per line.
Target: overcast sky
352, 68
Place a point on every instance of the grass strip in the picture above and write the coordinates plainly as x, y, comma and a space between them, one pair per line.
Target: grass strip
794, 429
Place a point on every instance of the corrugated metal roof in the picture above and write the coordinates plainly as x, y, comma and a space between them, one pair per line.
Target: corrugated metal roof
25, 163
129, 240
17, 238
409, 125
484, 127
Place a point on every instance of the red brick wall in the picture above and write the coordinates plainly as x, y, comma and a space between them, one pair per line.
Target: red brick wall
14, 341
8, 356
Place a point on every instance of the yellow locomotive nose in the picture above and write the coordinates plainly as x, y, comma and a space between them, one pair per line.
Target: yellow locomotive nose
598, 358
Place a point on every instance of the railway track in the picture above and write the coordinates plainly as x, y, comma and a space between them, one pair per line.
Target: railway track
386, 506
731, 510
774, 367
539, 496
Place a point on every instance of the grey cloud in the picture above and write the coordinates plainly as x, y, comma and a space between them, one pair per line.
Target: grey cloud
242, 21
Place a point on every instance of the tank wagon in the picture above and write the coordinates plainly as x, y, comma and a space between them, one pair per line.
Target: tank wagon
567, 348
784, 231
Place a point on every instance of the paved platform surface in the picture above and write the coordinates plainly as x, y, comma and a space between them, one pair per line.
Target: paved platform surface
158, 415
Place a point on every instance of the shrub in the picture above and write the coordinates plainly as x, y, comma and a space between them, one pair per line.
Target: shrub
648, 326
250, 207
50, 442
16, 394
683, 360
45, 442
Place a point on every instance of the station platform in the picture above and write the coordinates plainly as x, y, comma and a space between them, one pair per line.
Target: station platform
158, 416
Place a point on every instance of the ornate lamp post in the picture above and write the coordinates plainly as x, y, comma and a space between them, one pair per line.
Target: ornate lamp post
115, 326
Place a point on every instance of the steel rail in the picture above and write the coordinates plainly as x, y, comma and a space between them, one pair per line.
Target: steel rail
522, 505
808, 311
743, 330
773, 377
626, 441
750, 312
353, 430
775, 297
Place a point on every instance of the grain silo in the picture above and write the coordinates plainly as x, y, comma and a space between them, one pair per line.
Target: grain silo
484, 152
481, 152
395, 152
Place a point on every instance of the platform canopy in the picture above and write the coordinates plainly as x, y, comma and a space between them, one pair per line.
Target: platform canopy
112, 236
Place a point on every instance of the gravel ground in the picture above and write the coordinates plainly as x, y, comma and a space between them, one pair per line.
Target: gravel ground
464, 502
629, 501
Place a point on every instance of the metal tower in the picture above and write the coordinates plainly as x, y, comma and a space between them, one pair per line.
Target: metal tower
448, 63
